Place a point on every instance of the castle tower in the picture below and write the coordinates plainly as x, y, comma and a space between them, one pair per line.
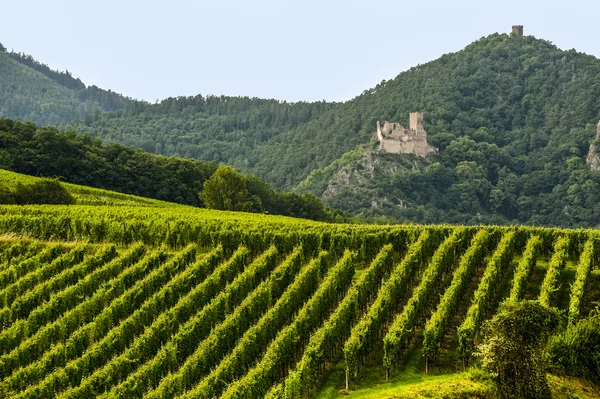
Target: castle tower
517, 30
416, 122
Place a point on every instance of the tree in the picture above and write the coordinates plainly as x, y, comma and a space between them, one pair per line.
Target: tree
226, 190
513, 349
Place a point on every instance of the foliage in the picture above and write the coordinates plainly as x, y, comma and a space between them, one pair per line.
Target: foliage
576, 351
32, 91
370, 325
226, 190
42, 191
555, 267
513, 347
524, 268
325, 343
397, 339
495, 269
206, 352
79, 159
584, 268
437, 325
164, 301
513, 118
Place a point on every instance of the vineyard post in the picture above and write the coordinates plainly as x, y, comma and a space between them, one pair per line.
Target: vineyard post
347, 378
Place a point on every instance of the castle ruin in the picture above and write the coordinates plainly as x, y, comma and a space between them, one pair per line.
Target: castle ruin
395, 139
517, 30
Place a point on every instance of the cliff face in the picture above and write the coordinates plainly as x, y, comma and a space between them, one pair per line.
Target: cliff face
593, 158
370, 182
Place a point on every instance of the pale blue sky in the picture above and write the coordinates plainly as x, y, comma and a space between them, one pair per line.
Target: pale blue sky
290, 50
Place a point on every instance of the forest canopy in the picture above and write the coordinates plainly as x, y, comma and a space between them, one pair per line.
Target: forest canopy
80, 159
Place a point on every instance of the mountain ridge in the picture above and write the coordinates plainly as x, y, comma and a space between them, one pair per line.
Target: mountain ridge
512, 116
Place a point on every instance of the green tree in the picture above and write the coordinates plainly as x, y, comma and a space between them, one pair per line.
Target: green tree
513, 349
226, 190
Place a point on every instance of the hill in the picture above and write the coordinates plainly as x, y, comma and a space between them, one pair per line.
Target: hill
83, 195
80, 159
32, 91
145, 301
513, 118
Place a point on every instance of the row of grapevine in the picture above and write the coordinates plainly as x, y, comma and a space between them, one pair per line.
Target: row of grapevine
525, 268
282, 352
42, 273
326, 342
18, 270
121, 307
71, 334
555, 268
367, 330
16, 251
163, 299
397, 340
436, 326
66, 310
584, 268
234, 364
206, 353
494, 272
173, 324
22, 306
179, 226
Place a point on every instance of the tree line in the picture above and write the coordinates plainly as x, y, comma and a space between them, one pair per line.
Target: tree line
79, 159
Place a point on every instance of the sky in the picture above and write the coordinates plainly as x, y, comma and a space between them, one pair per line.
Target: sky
303, 50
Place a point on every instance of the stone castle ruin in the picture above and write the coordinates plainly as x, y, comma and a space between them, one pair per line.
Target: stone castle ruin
395, 139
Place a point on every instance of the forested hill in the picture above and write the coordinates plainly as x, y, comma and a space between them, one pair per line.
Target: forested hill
517, 109
217, 128
32, 91
516, 92
513, 118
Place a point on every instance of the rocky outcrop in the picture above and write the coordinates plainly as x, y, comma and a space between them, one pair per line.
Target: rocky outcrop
365, 182
593, 159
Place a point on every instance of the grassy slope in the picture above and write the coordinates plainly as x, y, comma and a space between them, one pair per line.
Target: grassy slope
104, 200
471, 384
87, 195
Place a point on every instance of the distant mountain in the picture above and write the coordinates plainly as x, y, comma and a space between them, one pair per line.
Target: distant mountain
32, 91
513, 118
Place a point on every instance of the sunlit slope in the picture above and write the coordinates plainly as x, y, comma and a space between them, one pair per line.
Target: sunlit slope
142, 301
85, 195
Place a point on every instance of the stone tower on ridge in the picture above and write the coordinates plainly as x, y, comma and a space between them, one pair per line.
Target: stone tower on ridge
517, 30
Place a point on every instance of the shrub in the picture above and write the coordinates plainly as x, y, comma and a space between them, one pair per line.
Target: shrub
576, 351
44, 191
513, 349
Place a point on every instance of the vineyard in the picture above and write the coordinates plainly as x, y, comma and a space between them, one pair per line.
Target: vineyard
156, 302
